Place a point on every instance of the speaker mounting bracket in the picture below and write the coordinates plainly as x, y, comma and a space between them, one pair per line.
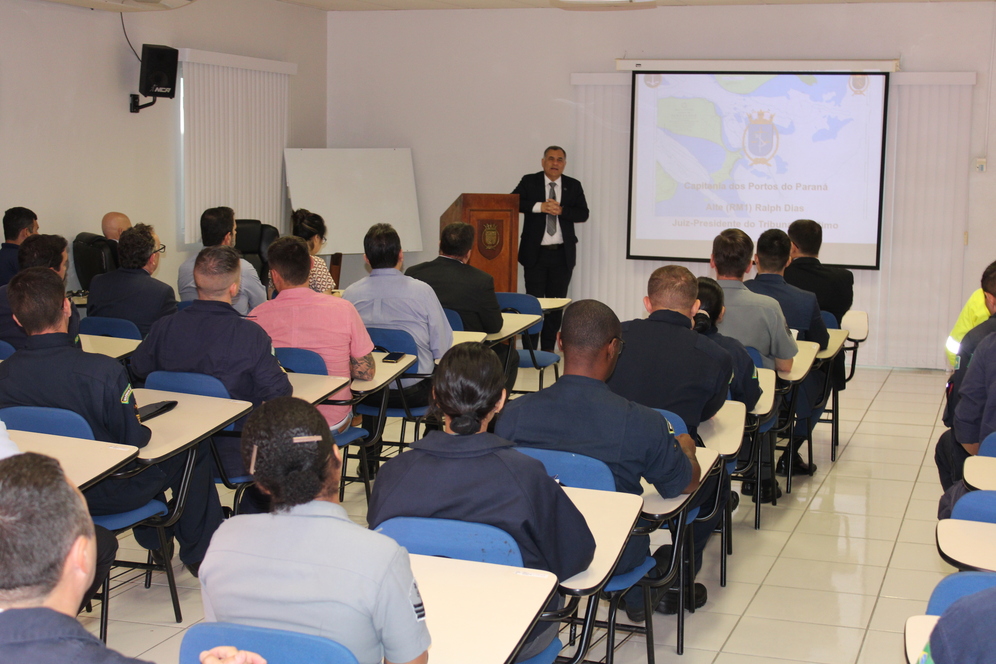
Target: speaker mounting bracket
136, 107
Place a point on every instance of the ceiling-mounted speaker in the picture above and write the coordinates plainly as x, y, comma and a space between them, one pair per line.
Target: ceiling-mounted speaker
158, 75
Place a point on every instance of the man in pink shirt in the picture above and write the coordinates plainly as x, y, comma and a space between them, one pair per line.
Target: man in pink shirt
301, 318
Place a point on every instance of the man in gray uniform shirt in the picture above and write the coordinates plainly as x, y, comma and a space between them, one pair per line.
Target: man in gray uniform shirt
306, 567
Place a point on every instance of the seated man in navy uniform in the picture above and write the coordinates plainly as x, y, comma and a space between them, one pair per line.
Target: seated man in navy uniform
950, 454
130, 292
37, 251
50, 372
47, 563
802, 313
19, 223
579, 414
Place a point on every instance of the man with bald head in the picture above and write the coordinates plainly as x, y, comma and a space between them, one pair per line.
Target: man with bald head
667, 364
112, 226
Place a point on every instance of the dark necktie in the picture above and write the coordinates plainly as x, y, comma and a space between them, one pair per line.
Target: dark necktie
551, 219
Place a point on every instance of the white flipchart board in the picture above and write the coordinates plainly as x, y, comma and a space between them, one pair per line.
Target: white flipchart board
353, 189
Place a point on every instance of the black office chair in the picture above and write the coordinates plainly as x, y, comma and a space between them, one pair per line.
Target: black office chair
92, 255
253, 239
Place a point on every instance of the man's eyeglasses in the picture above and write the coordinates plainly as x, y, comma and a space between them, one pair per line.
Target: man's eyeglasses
160, 250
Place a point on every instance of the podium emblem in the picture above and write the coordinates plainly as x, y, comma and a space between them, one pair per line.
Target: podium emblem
858, 83
489, 239
761, 138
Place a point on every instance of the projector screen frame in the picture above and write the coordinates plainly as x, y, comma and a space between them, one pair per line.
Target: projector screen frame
637, 72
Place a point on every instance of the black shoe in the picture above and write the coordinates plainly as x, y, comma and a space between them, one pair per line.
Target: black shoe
636, 612
799, 467
747, 488
734, 501
766, 491
669, 605
157, 556
193, 568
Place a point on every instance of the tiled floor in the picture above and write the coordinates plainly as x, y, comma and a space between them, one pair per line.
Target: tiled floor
831, 577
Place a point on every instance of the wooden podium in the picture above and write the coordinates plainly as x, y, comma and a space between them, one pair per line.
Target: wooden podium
495, 218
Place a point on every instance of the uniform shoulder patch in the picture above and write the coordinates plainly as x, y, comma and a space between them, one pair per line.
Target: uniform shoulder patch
957, 362
416, 599
126, 395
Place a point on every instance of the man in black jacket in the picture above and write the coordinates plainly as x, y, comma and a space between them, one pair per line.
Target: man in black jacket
552, 203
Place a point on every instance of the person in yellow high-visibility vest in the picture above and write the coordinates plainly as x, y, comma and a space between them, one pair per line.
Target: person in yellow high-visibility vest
973, 313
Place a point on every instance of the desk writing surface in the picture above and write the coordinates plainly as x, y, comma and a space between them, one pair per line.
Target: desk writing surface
980, 473
315, 388
110, 346
856, 324
766, 377
193, 419
478, 612
462, 337
724, 431
553, 303
656, 505
802, 361
611, 517
917, 634
383, 373
970, 544
512, 324
85, 462
837, 339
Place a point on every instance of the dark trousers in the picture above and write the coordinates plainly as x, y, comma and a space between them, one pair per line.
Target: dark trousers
949, 455
201, 515
107, 549
550, 277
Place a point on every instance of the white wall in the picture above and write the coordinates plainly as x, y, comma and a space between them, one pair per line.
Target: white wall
70, 149
478, 94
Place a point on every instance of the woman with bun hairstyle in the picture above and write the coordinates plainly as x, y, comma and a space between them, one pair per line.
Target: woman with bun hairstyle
744, 386
467, 474
311, 228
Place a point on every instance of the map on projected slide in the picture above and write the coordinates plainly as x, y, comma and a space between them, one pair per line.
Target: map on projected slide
756, 151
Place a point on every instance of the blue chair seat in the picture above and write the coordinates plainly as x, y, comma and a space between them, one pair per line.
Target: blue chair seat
628, 579
544, 359
301, 360
372, 411
115, 522
6, 350
102, 326
277, 646
548, 655
350, 435
451, 538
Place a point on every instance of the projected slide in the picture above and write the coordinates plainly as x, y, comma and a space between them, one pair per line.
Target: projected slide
756, 151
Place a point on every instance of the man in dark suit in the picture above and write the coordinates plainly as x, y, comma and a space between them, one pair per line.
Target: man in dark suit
834, 286
552, 203
130, 292
463, 288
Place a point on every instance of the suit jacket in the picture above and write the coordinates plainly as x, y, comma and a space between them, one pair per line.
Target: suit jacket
463, 288
132, 294
834, 286
802, 311
531, 190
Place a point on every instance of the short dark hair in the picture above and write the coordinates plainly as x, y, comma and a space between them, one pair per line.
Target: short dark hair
213, 268
773, 249
41, 251
467, 385
456, 239
306, 225
555, 147
36, 297
807, 235
672, 287
15, 220
292, 473
289, 257
41, 516
710, 304
135, 246
588, 326
216, 223
732, 251
989, 279
382, 246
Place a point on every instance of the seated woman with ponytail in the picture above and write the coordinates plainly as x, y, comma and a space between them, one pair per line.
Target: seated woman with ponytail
467, 474
744, 386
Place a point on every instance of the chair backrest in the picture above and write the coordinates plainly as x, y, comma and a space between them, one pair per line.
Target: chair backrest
755, 355
675, 420
988, 446
103, 326
394, 341
456, 323
976, 506
955, 586
302, 360
253, 239
6, 350
830, 320
54, 421
524, 304
571, 469
335, 268
277, 646
92, 255
187, 382
448, 538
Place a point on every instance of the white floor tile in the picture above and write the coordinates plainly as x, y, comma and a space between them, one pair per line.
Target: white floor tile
883, 648
820, 575
833, 549
891, 613
918, 532
812, 606
795, 640
849, 525
910, 584
922, 557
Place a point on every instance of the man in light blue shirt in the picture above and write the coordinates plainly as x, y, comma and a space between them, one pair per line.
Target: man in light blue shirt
218, 227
